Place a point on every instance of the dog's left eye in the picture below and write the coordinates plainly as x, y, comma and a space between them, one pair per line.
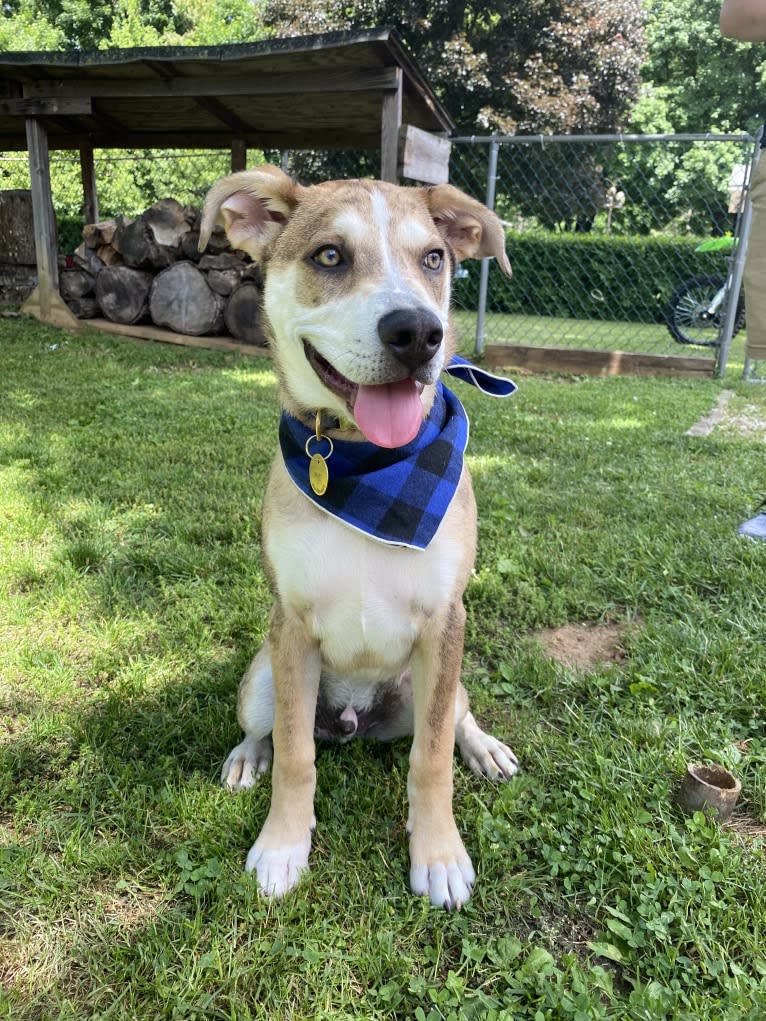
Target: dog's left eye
433, 260
328, 256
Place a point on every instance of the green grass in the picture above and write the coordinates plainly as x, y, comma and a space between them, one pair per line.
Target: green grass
132, 597
587, 334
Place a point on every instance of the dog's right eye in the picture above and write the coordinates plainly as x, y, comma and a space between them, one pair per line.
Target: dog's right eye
328, 257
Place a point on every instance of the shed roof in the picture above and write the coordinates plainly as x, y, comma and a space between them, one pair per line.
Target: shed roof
321, 91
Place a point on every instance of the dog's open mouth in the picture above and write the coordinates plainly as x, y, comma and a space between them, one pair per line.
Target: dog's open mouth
389, 414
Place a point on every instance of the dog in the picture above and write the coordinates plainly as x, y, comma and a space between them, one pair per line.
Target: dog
366, 630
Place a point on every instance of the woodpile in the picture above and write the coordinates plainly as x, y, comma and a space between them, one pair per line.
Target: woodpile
150, 270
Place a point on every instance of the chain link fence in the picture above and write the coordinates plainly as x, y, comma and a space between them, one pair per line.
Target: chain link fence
603, 231
604, 235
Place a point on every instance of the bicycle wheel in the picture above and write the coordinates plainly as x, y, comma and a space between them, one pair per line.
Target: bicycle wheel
686, 314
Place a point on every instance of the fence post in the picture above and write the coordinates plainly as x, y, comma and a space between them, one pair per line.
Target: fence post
494, 146
737, 267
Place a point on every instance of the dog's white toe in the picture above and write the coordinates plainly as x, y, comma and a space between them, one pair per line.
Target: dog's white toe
278, 869
446, 885
246, 762
482, 753
491, 758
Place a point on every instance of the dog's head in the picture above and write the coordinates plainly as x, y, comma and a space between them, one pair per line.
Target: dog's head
357, 288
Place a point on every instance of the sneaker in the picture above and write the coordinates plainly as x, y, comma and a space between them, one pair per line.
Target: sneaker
755, 527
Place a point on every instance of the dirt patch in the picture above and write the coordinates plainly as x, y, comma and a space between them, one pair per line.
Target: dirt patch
747, 420
584, 646
748, 828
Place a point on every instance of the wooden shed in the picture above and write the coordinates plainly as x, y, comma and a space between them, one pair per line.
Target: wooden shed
343, 90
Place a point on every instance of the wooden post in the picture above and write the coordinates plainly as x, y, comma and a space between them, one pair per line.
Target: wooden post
42, 213
88, 174
391, 122
238, 154
44, 302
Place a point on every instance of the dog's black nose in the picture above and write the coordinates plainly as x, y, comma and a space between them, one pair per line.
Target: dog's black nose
412, 334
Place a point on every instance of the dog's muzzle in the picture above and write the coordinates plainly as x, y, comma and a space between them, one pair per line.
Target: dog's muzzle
413, 335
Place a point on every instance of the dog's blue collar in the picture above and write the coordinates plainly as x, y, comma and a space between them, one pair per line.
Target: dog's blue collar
398, 496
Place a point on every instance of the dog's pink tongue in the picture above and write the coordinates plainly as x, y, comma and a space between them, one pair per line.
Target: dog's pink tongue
391, 414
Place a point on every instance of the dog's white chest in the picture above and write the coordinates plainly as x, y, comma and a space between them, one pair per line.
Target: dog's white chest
363, 601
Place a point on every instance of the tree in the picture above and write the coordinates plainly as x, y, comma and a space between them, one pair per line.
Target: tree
99, 24
541, 66
136, 178
696, 80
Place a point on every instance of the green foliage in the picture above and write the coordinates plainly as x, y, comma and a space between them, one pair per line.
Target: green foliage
677, 186
82, 25
590, 276
128, 182
701, 81
553, 66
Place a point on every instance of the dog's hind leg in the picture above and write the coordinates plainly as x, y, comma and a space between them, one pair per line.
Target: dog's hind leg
483, 754
255, 711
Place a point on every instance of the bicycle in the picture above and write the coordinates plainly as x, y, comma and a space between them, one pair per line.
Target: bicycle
696, 308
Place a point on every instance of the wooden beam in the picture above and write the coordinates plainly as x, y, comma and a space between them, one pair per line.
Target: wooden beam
57, 311
283, 84
49, 106
238, 154
42, 214
149, 332
216, 139
596, 363
390, 125
88, 175
222, 114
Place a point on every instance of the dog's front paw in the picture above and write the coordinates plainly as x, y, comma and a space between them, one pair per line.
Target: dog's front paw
279, 868
446, 877
246, 762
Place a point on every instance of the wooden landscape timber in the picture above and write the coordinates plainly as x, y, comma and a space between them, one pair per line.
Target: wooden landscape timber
596, 363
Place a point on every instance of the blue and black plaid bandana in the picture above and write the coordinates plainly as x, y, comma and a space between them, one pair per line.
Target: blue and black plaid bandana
398, 496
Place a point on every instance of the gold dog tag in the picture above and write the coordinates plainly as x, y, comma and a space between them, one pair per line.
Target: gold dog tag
319, 476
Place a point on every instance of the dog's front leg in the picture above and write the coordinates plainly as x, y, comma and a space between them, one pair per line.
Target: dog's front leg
439, 864
281, 851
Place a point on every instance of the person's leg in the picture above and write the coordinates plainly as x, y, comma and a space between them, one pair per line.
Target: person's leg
755, 268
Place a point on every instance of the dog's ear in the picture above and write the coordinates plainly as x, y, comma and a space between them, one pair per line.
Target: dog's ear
471, 230
253, 206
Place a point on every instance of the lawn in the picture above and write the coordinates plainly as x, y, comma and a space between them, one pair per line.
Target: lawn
132, 596
587, 334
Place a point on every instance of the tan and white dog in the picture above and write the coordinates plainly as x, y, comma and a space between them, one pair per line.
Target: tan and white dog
365, 637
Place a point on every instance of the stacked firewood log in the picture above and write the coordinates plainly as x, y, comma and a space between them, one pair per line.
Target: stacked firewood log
150, 270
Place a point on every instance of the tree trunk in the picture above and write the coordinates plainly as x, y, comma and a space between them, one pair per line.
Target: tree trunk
140, 250
182, 300
189, 246
75, 283
123, 293
223, 281
84, 308
244, 313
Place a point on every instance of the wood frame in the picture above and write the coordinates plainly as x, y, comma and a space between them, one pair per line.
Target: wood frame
391, 122
64, 100
596, 363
